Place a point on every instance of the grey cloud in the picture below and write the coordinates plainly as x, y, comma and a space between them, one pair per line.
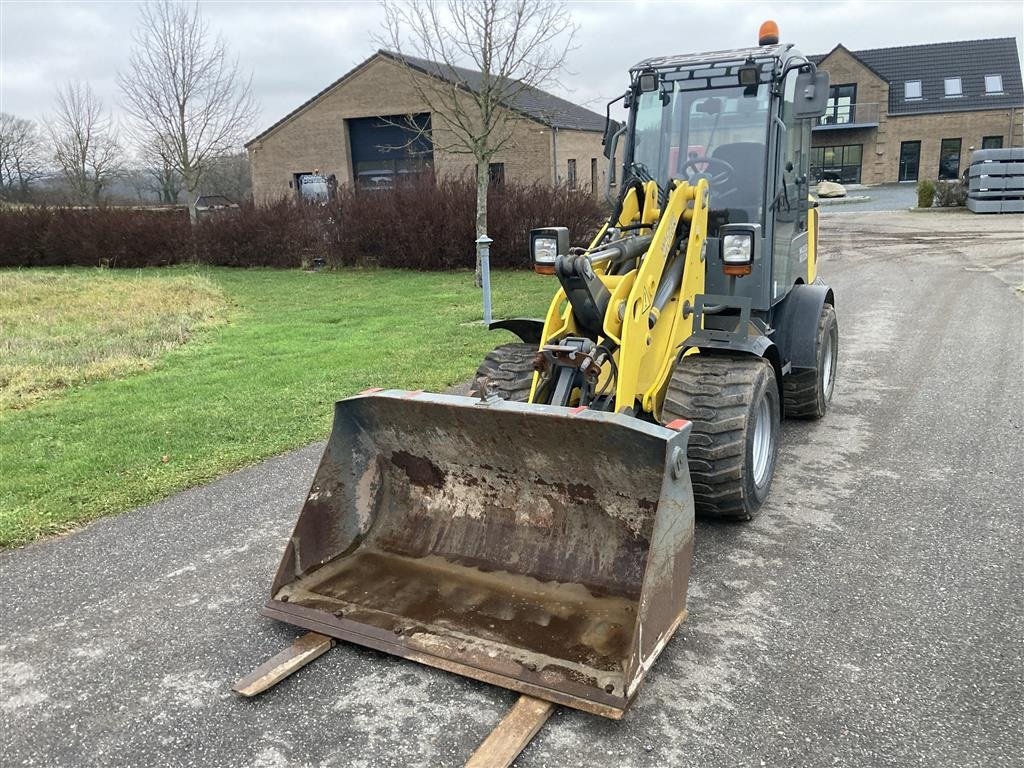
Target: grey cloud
296, 49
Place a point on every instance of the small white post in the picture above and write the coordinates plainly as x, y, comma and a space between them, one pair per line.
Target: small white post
483, 249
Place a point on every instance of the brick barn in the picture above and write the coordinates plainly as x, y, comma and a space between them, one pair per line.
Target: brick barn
361, 129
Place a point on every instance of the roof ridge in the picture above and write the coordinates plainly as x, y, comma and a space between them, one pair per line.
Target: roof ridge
533, 110
921, 45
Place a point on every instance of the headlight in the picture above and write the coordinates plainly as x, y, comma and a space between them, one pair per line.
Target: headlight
546, 245
738, 249
739, 244
545, 251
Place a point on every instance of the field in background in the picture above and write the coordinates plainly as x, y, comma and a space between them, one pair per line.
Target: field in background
259, 383
60, 330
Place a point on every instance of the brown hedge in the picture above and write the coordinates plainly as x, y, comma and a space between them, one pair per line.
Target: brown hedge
423, 225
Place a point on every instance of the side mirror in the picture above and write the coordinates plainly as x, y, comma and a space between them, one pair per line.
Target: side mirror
811, 94
610, 147
611, 127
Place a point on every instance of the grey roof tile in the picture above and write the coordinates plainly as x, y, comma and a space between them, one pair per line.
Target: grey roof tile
532, 102
932, 63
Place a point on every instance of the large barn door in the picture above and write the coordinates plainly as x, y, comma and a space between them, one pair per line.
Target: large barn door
387, 149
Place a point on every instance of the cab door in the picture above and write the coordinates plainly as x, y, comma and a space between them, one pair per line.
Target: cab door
788, 207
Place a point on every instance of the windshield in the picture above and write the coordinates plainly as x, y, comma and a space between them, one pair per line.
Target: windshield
719, 133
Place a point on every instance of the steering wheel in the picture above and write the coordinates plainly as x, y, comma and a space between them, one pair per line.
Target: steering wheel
719, 179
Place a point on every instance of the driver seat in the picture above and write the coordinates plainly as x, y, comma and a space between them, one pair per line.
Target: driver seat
747, 160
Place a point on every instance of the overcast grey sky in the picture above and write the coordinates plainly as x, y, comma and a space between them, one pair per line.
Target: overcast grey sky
294, 49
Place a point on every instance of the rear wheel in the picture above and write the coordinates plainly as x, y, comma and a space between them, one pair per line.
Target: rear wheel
807, 393
507, 372
733, 406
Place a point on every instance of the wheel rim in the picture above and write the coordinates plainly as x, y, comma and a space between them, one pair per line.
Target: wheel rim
762, 440
829, 368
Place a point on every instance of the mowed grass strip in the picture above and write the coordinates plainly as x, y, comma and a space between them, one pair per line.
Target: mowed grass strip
64, 329
258, 384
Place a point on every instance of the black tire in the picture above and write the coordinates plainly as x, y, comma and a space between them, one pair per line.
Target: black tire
807, 394
507, 372
722, 397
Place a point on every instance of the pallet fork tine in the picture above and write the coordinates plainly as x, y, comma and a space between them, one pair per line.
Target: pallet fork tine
510, 737
305, 649
501, 747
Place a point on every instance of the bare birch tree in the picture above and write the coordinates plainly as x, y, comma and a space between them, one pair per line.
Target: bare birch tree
186, 97
22, 156
515, 45
85, 142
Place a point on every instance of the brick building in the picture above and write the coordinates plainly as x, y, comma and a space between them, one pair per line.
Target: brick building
360, 129
917, 111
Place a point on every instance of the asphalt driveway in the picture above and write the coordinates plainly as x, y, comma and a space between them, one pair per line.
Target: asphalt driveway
872, 616
877, 197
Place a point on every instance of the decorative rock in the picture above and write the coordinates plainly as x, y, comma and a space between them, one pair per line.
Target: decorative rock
830, 189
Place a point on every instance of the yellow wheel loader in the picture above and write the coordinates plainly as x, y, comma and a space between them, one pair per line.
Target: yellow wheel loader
539, 535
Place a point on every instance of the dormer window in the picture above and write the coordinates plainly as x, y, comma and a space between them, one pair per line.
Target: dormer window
993, 84
912, 90
954, 87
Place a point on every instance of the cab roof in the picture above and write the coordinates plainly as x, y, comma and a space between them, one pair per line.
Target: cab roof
778, 51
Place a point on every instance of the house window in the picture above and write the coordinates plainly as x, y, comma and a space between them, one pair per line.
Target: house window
593, 174
912, 90
949, 159
992, 142
839, 109
496, 173
836, 163
953, 87
571, 174
993, 84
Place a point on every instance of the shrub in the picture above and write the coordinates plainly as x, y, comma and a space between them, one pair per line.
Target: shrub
282, 234
950, 194
925, 193
90, 237
420, 224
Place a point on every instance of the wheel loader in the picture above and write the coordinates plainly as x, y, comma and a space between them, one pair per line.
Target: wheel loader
539, 535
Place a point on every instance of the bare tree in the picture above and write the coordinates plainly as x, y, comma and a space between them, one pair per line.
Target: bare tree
231, 176
515, 45
22, 156
162, 177
186, 97
85, 141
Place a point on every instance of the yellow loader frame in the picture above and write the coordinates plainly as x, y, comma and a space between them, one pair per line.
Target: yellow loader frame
645, 353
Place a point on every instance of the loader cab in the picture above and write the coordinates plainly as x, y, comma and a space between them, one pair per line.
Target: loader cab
739, 119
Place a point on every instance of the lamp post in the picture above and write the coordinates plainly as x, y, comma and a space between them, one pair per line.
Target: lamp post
483, 250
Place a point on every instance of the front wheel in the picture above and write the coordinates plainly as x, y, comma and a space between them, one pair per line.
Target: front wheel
733, 406
507, 372
808, 393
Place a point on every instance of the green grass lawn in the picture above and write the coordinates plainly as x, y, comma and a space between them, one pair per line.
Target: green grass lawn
63, 329
260, 382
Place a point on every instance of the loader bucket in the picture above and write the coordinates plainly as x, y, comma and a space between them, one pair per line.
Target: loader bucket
539, 548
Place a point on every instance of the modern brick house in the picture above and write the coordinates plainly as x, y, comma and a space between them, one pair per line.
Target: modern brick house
916, 111
359, 129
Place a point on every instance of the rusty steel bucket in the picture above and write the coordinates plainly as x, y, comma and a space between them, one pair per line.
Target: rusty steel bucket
539, 548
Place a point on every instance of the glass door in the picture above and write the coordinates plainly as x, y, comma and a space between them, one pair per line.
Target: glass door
910, 160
